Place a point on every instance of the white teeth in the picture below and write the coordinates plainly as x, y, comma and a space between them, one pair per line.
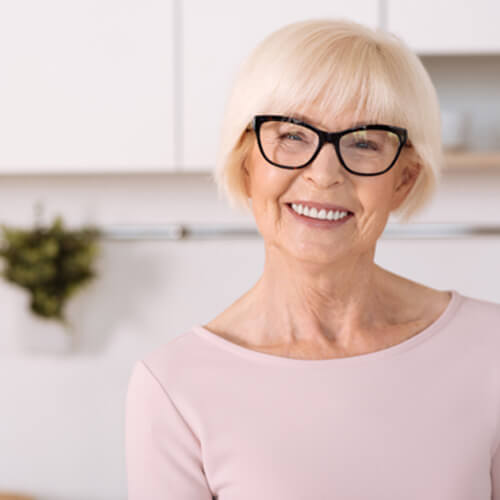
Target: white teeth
313, 212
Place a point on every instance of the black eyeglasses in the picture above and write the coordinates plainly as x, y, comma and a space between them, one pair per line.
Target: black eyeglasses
287, 142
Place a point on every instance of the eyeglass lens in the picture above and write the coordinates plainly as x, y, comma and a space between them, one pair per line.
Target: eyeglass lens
292, 145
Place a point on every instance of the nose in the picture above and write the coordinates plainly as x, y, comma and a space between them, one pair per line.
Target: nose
326, 168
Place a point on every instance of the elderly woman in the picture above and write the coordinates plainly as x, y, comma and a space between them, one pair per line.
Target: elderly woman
331, 378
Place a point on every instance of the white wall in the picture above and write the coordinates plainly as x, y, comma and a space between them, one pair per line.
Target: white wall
61, 426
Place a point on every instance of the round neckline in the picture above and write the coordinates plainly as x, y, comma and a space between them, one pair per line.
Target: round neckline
416, 339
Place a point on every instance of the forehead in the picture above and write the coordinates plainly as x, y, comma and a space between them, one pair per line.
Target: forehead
334, 103
329, 115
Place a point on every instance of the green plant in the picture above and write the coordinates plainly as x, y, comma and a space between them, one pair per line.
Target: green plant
52, 263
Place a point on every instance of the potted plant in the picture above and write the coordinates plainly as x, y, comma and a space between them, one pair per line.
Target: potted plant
51, 264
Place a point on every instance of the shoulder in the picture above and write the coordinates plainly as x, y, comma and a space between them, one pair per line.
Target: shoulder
176, 363
482, 317
484, 311
169, 358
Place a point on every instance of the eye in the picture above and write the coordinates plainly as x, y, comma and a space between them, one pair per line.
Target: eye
287, 136
368, 145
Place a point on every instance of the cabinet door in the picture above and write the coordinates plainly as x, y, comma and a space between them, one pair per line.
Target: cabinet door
446, 26
86, 86
217, 35
469, 265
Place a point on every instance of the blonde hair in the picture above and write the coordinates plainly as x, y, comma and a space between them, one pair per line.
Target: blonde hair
343, 66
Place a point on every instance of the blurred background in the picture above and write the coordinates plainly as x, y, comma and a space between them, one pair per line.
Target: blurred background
109, 116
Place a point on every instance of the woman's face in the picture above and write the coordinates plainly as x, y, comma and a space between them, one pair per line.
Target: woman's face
325, 180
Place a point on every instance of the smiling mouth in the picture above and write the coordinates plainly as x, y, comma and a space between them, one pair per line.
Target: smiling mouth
348, 211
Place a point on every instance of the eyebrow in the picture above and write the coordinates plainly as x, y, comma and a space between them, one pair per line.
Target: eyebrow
305, 118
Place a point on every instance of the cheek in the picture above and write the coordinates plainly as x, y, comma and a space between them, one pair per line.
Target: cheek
375, 194
375, 201
268, 183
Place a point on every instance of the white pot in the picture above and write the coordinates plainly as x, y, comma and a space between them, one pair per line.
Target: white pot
39, 335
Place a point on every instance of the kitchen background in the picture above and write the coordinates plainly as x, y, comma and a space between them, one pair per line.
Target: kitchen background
109, 115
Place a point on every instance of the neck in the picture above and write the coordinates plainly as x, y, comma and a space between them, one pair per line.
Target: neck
305, 302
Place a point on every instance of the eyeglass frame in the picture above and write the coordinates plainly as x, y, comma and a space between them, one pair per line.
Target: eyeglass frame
332, 137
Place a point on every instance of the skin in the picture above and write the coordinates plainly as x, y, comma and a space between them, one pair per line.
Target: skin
321, 295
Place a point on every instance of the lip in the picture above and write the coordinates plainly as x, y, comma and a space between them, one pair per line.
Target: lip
318, 223
319, 206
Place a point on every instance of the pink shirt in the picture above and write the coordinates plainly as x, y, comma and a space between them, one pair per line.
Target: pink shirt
420, 420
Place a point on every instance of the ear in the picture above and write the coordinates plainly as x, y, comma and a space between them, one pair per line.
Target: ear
247, 152
246, 178
406, 179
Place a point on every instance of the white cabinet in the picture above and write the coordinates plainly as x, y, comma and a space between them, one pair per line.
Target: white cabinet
469, 265
86, 86
446, 26
217, 35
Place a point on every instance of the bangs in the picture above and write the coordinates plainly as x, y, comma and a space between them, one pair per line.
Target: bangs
350, 81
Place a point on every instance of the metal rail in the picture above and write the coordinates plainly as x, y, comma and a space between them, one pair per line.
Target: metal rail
228, 231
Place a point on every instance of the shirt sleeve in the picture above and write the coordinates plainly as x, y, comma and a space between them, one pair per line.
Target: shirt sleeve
163, 455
